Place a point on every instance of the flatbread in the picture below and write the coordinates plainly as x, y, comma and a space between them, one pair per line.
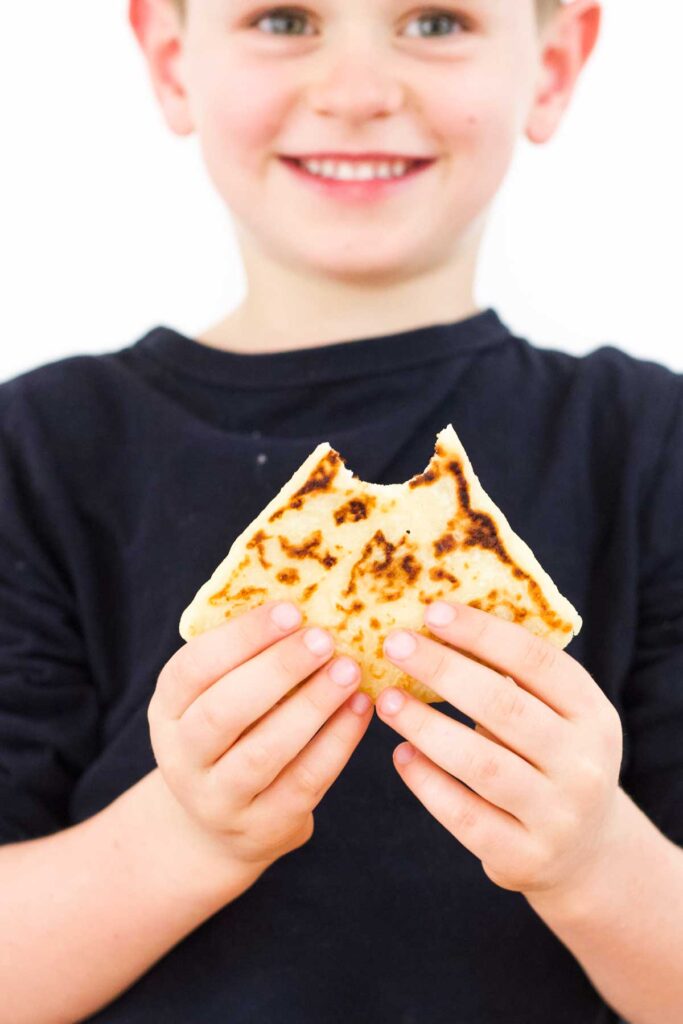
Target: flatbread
361, 559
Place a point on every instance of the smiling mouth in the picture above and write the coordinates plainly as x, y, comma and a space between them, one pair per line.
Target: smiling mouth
357, 171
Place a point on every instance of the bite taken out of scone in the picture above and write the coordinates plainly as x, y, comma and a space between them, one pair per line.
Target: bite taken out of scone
361, 559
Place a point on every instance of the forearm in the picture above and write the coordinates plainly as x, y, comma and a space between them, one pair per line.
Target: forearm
89, 910
625, 925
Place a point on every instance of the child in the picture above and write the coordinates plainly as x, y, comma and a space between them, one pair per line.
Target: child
162, 860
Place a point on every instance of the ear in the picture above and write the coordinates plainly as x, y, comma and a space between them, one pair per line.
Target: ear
566, 44
158, 30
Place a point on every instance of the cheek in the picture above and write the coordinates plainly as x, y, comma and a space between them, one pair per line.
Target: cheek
476, 115
478, 121
247, 131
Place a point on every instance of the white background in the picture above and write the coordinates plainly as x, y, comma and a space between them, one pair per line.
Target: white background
110, 226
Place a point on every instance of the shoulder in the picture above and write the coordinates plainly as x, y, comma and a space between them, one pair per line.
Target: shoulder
65, 396
611, 381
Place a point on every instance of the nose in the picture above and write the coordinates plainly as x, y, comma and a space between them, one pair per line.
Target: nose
356, 90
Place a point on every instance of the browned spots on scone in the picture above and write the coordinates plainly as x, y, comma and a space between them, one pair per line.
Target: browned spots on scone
224, 596
443, 545
461, 483
483, 534
288, 576
308, 550
424, 479
493, 601
374, 623
320, 480
410, 567
439, 573
388, 567
355, 510
553, 620
258, 541
309, 591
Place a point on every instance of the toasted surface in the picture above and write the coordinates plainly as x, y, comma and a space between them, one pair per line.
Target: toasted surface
361, 559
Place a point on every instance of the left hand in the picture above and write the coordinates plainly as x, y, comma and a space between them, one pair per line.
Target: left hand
543, 761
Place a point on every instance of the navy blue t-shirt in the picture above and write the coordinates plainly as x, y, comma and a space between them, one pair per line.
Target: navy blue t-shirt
124, 479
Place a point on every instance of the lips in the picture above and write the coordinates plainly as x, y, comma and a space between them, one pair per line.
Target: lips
411, 164
359, 157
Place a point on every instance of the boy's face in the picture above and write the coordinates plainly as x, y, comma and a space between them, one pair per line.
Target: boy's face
460, 83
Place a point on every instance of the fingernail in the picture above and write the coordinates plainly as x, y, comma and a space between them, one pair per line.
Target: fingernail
359, 703
406, 752
440, 614
318, 641
344, 672
285, 615
391, 701
400, 644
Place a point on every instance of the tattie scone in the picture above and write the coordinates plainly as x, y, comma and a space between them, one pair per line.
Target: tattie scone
361, 559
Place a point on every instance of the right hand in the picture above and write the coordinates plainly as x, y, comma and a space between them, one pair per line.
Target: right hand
239, 751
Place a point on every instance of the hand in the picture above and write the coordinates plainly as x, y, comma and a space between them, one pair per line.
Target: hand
243, 745
543, 761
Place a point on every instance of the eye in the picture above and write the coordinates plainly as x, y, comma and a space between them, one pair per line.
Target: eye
280, 15
443, 18
286, 15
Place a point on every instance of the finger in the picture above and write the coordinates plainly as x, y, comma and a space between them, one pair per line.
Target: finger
258, 757
219, 716
205, 658
492, 771
536, 665
307, 778
524, 723
483, 829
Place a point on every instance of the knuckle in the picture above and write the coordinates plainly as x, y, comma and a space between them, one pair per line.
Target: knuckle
257, 755
243, 634
309, 827
505, 702
463, 816
439, 668
482, 631
316, 699
306, 780
170, 679
589, 776
486, 768
187, 663
152, 713
421, 726
539, 655
286, 663
611, 728
208, 716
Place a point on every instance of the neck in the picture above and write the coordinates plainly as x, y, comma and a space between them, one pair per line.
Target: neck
296, 307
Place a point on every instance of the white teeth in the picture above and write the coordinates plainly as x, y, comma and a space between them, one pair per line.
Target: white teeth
346, 170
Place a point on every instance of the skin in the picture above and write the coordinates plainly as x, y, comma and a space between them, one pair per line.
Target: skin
357, 75
543, 812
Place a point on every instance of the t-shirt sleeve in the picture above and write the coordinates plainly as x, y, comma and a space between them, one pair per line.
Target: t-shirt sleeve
48, 705
653, 695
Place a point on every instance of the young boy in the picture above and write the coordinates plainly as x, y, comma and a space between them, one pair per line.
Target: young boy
160, 860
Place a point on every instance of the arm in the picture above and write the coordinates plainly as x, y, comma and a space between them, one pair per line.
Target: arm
90, 909
625, 923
